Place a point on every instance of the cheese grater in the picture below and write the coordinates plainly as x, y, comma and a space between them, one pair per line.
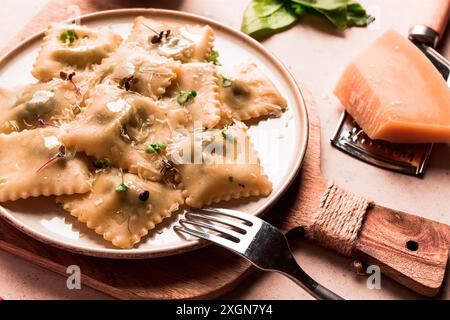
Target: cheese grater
403, 158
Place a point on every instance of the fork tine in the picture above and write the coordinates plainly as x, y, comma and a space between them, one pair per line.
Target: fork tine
216, 228
209, 217
206, 236
232, 213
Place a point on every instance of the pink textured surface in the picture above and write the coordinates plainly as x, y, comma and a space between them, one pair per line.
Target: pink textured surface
316, 55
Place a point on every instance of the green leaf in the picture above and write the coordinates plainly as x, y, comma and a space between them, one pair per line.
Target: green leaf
342, 13
262, 18
357, 15
68, 36
122, 187
226, 136
155, 147
333, 10
226, 81
185, 96
214, 57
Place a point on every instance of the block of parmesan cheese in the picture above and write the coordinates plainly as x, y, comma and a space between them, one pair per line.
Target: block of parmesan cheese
395, 93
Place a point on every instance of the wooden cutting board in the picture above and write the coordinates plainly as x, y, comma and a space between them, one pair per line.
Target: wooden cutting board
210, 272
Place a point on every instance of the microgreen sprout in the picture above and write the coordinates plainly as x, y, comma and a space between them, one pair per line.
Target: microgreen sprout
126, 83
185, 96
69, 77
214, 57
42, 123
61, 154
157, 38
226, 135
226, 81
68, 36
166, 167
122, 187
155, 147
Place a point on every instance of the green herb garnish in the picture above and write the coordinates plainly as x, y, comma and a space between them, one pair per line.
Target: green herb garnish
68, 36
185, 96
226, 81
155, 148
102, 164
122, 187
213, 57
263, 18
226, 135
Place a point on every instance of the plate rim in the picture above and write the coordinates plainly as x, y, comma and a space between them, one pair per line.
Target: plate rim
190, 245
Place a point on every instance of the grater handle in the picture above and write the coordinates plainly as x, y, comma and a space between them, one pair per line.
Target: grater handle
410, 249
438, 21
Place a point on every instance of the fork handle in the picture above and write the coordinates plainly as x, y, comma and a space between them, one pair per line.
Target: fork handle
294, 272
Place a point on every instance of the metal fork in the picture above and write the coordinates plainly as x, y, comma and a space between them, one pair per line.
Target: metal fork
253, 239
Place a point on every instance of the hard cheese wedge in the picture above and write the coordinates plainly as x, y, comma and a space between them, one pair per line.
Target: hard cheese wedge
395, 94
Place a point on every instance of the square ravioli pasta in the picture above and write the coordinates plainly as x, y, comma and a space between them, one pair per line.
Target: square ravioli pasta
121, 126
180, 42
197, 90
143, 72
70, 47
32, 164
218, 165
47, 104
122, 207
247, 93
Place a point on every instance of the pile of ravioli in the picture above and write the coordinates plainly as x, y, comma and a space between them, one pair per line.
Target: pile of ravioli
101, 127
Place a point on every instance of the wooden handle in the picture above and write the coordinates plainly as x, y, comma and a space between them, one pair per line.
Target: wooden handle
407, 248
439, 19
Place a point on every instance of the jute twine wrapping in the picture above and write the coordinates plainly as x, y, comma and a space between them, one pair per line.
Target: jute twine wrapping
339, 219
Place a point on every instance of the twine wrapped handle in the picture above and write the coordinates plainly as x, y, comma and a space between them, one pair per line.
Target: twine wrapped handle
339, 219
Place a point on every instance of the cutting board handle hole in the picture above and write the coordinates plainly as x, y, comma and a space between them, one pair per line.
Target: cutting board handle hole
412, 245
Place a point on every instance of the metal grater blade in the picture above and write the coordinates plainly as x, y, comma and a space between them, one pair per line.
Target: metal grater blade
403, 158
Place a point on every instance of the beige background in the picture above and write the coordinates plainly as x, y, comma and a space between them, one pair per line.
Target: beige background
315, 54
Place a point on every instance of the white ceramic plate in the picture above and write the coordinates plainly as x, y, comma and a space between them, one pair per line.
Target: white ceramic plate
280, 142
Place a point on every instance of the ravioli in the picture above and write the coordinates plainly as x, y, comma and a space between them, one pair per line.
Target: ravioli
184, 43
70, 47
118, 125
123, 217
219, 166
23, 172
38, 105
249, 93
147, 74
204, 106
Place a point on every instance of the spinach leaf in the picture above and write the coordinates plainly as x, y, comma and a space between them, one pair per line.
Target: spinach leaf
262, 18
333, 10
357, 15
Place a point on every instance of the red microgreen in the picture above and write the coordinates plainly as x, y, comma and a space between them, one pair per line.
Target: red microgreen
126, 83
69, 77
157, 38
61, 154
42, 123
